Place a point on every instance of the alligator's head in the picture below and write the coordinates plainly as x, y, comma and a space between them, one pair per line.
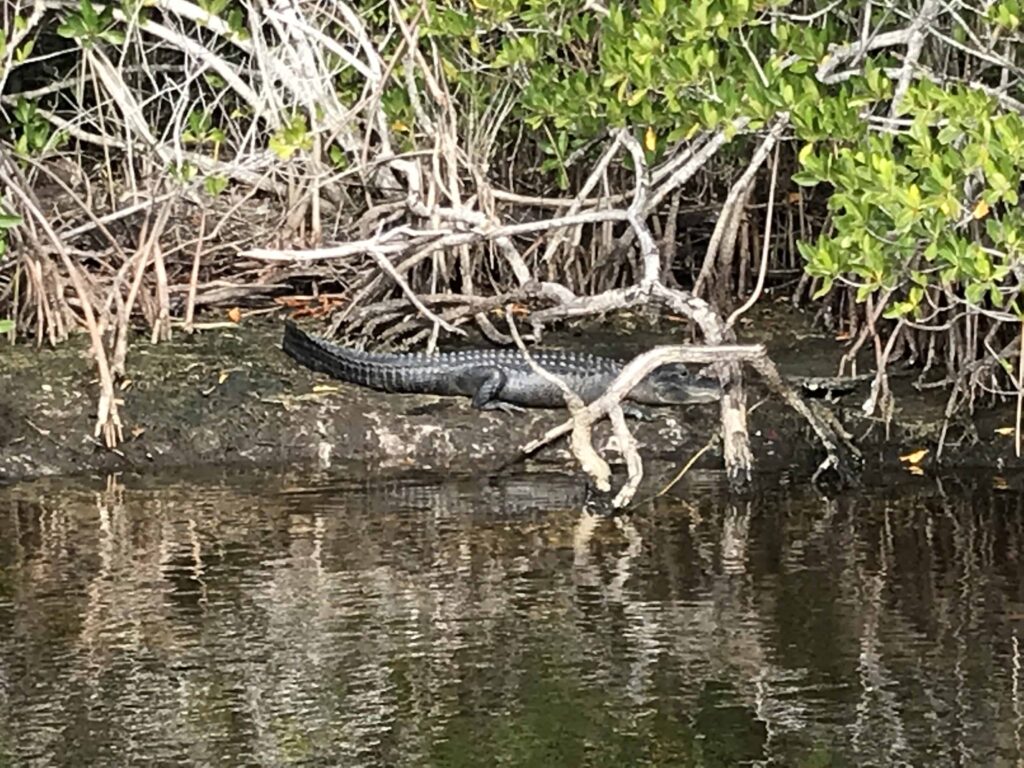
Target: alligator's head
674, 384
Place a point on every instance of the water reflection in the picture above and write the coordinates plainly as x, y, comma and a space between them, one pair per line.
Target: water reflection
252, 621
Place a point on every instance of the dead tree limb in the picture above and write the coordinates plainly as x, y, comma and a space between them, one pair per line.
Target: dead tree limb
841, 454
583, 419
729, 217
915, 43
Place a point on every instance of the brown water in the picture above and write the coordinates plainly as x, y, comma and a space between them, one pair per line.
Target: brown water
450, 622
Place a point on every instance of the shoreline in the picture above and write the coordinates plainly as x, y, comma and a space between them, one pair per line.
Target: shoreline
232, 398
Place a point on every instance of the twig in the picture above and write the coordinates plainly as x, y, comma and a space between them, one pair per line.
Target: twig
1020, 396
388, 268
634, 464
880, 393
765, 248
193, 280
687, 466
915, 43
581, 197
100, 221
841, 54
685, 172
681, 174
851, 354
162, 320
95, 222
635, 215
842, 454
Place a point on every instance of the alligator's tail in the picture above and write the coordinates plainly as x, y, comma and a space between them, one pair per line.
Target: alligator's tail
364, 368
316, 354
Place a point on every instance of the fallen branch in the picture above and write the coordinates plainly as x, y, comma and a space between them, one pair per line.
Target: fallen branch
841, 453
581, 442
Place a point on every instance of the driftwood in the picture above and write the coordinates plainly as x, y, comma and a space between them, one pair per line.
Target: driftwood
841, 455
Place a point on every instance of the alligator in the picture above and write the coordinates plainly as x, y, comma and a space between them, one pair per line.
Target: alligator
495, 378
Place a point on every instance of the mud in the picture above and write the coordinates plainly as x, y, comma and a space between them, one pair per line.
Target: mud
230, 397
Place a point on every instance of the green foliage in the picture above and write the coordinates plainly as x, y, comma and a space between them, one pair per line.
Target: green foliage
668, 69
292, 137
920, 201
1006, 14
214, 7
908, 206
214, 185
233, 15
183, 173
23, 51
201, 130
33, 133
88, 26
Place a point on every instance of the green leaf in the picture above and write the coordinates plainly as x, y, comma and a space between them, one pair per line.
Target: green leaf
826, 286
6, 326
863, 291
897, 309
804, 179
89, 15
974, 292
71, 28
636, 97
214, 185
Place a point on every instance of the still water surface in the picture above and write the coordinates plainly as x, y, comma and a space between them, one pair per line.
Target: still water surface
460, 622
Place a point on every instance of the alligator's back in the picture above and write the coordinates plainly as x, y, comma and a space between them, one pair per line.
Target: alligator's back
493, 376
462, 372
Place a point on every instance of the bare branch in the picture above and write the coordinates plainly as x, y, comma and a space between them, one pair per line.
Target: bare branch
929, 10
765, 248
729, 217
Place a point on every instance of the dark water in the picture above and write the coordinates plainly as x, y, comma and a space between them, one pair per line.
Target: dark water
458, 622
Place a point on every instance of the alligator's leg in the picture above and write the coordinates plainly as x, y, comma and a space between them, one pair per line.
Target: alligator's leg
637, 412
488, 391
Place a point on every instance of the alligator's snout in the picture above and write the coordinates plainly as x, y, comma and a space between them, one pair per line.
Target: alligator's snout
703, 391
692, 392
676, 385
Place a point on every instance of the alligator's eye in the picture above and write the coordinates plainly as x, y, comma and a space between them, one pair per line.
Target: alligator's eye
676, 372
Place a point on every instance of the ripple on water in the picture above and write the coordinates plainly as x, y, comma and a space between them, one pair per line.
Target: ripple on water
476, 621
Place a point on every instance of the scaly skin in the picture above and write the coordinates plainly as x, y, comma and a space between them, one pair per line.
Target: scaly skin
494, 378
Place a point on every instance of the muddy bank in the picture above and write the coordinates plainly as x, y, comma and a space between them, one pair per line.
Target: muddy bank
230, 397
